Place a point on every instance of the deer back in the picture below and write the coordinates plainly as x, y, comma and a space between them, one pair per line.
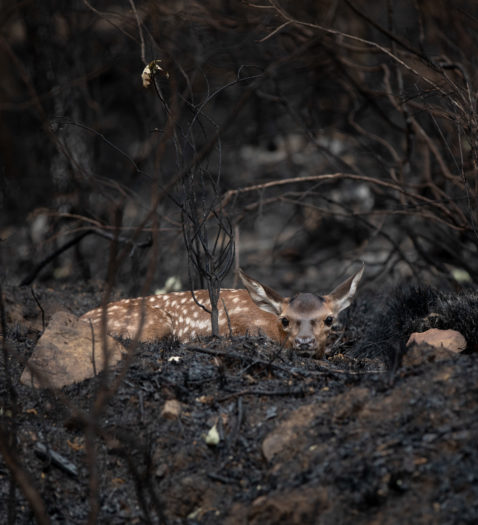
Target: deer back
185, 315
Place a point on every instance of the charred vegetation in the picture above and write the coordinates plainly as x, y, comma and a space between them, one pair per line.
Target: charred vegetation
407, 309
154, 146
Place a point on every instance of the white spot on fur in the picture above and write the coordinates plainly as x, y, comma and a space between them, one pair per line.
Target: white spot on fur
203, 325
237, 310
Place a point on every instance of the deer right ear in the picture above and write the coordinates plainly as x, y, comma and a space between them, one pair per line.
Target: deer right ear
265, 298
341, 296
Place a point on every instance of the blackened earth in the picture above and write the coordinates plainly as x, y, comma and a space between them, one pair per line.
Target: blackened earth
297, 440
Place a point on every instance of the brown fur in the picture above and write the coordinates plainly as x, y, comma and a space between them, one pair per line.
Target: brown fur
301, 322
177, 314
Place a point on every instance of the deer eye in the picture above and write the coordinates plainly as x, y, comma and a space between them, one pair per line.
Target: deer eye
284, 321
328, 320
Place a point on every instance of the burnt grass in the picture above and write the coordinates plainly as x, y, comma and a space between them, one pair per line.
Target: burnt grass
342, 440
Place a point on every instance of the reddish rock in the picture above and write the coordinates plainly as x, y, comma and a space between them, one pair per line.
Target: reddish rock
447, 339
433, 345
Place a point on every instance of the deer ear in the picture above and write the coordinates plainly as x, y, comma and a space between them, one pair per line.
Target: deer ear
265, 298
342, 296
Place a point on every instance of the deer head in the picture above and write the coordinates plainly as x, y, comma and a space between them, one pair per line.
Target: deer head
305, 319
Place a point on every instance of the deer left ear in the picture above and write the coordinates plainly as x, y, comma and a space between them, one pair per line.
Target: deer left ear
265, 298
342, 296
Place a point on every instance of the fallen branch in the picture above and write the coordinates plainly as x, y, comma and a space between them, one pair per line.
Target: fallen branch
323, 370
39, 267
338, 176
301, 392
23, 481
46, 453
72, 242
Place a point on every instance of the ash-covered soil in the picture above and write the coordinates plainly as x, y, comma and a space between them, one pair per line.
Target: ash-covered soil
238, 431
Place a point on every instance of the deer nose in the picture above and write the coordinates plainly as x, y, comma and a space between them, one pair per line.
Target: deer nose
304, 342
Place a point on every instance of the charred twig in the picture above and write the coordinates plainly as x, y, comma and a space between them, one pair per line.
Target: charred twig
177, 387
41, 309
293, 370
141, 406
8, 437
45, 452
210, 258
301, 392
144, 483
238, 422
223, 479
72, 242
22, 479
374, 45
39, 267
400, 189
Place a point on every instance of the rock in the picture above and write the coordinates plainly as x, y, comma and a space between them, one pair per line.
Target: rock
433, 345
287, 432
212, 438
293, 507
448, 339
288, 436
171, 409
65, 354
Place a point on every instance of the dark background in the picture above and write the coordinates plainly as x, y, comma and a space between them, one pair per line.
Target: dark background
381, 94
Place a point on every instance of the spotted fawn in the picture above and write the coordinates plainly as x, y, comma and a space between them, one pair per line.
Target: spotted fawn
302, 321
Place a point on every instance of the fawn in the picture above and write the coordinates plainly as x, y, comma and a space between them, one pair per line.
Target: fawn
302, 321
